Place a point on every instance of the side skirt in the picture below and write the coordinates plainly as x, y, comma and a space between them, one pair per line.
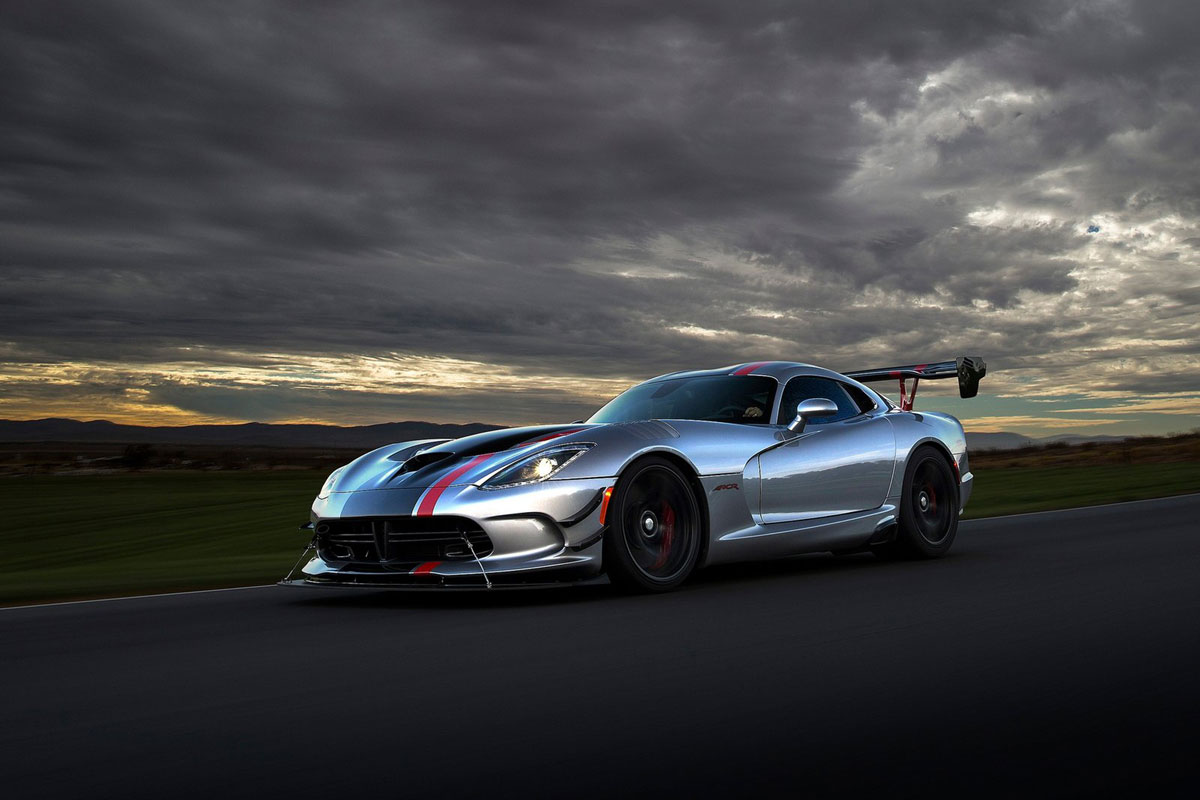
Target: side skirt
841, 532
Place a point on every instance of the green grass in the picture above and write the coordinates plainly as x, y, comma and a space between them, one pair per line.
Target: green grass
1015, 491
99, 535
93, 536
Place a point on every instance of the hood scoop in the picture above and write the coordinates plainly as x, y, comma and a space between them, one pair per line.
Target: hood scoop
420, 461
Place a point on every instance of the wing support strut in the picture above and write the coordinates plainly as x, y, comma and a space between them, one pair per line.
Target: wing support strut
906, 403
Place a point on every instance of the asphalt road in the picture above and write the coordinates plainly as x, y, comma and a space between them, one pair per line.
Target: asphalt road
1051, 654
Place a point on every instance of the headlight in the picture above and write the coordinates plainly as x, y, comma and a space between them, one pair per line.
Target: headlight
327, 487
537, 467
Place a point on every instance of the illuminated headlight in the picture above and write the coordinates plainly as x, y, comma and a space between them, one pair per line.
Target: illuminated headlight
329, 482
537, 467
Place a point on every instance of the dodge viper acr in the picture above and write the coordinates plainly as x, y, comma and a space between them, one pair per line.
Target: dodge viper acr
750, 461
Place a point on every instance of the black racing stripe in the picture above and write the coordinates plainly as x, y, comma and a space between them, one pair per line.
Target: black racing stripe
496, 441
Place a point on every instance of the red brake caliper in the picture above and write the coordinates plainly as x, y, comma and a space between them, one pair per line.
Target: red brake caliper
668, 532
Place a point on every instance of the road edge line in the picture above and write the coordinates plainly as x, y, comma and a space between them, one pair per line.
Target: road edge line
1083, 508
138, 596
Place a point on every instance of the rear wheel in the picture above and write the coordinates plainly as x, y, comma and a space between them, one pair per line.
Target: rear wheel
928, 508
653, 540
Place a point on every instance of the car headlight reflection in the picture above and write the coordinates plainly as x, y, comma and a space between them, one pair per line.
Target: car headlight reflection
537, 467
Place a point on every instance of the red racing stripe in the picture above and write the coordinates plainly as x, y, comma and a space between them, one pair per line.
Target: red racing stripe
425, 569
746, 369
429, 500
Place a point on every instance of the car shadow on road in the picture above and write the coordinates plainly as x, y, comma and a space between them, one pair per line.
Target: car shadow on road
722, 576
787, 567
459, 597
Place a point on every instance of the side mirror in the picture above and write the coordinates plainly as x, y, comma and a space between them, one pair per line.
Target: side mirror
814, 407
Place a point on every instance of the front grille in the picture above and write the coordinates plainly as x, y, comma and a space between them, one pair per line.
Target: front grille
400, 540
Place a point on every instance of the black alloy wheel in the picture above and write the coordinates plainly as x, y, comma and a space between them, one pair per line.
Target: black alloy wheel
928, 509
653, 541
931, 496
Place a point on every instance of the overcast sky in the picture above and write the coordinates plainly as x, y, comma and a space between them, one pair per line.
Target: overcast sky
508, 212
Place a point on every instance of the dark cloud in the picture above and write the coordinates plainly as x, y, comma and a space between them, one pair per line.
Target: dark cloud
607, 189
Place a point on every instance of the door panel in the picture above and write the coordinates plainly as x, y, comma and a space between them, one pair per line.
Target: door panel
830, 469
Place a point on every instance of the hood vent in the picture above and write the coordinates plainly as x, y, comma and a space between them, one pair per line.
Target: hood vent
421, 460
649, 429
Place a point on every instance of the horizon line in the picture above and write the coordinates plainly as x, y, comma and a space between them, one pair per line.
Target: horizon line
1170, 434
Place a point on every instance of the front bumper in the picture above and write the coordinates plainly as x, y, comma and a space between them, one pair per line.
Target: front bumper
545, 533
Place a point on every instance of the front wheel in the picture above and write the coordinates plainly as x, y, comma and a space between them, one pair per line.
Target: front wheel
653, 540
928, 509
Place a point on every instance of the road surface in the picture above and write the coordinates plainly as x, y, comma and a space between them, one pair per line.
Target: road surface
1049, 654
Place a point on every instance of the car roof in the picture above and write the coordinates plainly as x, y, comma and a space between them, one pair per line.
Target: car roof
781, 371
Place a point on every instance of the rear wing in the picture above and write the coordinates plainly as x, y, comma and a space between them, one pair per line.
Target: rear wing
968, 369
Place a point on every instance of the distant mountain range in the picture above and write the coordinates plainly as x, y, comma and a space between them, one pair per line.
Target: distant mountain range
1012, 441
364, 437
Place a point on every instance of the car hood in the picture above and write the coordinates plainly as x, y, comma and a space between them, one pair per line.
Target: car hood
710, 447
428, 462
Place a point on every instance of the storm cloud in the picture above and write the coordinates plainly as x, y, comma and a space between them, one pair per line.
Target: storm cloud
497, 211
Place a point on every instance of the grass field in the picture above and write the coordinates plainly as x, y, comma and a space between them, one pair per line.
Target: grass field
96, 535
1015, 491
101, 535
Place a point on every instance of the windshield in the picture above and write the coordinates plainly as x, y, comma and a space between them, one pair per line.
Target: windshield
721, 398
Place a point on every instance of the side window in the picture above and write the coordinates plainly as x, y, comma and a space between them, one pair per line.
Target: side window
806, 387
860, 398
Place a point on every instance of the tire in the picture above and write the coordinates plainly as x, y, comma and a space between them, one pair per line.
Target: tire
929, 508
654, 533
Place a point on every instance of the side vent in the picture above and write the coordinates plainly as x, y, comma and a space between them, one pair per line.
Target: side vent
650, 429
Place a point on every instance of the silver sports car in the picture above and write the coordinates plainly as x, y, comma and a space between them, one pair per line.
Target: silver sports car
751, 461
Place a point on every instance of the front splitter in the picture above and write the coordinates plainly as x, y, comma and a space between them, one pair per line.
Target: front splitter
441, 584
